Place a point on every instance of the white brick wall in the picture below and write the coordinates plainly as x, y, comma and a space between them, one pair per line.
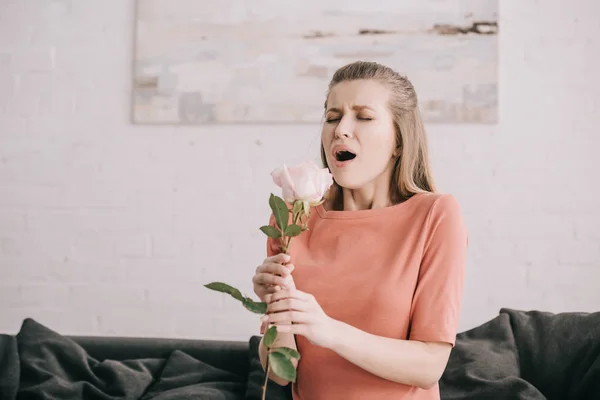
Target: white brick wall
102, 222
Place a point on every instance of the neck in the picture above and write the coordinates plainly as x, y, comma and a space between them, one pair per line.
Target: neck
376, 194
365, 198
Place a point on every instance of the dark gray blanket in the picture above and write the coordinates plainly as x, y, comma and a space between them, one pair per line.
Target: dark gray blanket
38, 363
527, 355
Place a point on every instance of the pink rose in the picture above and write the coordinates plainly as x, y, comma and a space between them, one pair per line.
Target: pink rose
305, 182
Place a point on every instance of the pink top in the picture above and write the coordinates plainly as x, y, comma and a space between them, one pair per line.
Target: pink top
395, 272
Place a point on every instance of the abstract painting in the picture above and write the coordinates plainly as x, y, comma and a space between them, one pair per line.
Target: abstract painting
268, 61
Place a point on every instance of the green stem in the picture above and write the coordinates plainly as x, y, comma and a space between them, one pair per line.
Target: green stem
296, 219
286, 244
264, 393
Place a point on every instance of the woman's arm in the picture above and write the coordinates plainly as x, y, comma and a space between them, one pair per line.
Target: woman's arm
409, 362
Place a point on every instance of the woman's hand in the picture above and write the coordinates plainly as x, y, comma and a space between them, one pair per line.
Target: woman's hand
297, 312
272, 275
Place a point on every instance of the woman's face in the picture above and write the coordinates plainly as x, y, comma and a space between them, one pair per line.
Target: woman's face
358, 134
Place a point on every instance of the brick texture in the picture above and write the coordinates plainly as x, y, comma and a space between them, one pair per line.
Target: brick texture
111, 228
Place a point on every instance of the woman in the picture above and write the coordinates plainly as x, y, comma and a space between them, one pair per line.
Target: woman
373, 301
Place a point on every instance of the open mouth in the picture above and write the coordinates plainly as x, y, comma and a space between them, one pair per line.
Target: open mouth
344, 155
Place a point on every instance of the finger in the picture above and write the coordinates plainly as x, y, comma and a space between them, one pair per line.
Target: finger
288, 304
288, 317
274, 268
269, 279
274, 280
297, 329
291, 293
278, 258
271, 289
287, 282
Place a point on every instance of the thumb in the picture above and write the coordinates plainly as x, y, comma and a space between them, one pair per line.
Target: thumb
282, 258
289, 282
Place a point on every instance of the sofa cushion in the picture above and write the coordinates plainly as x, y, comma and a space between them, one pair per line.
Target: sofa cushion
50, 365
184, 377
228, 355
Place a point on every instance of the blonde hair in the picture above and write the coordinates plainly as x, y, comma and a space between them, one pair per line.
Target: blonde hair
412, 172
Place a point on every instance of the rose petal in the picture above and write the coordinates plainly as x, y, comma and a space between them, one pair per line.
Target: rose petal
277, 175
305, 181
306, 188
288, 187
326, 181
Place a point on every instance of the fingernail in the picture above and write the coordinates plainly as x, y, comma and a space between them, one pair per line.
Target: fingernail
264, 318
291, 267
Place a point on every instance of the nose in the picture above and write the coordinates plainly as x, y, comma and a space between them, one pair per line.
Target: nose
344, 129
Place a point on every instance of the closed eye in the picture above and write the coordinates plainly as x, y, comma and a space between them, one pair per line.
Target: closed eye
332, 120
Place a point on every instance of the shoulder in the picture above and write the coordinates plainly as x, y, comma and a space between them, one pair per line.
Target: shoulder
437, 207
443, 203
432, 205
444, 215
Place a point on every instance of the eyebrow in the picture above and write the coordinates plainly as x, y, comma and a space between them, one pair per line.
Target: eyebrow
355, 108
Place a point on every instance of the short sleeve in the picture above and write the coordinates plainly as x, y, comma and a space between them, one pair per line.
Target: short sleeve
437, 300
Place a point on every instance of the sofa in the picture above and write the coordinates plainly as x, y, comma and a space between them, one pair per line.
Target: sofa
516, 355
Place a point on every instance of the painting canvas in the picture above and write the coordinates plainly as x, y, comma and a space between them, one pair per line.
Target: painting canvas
268, 61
